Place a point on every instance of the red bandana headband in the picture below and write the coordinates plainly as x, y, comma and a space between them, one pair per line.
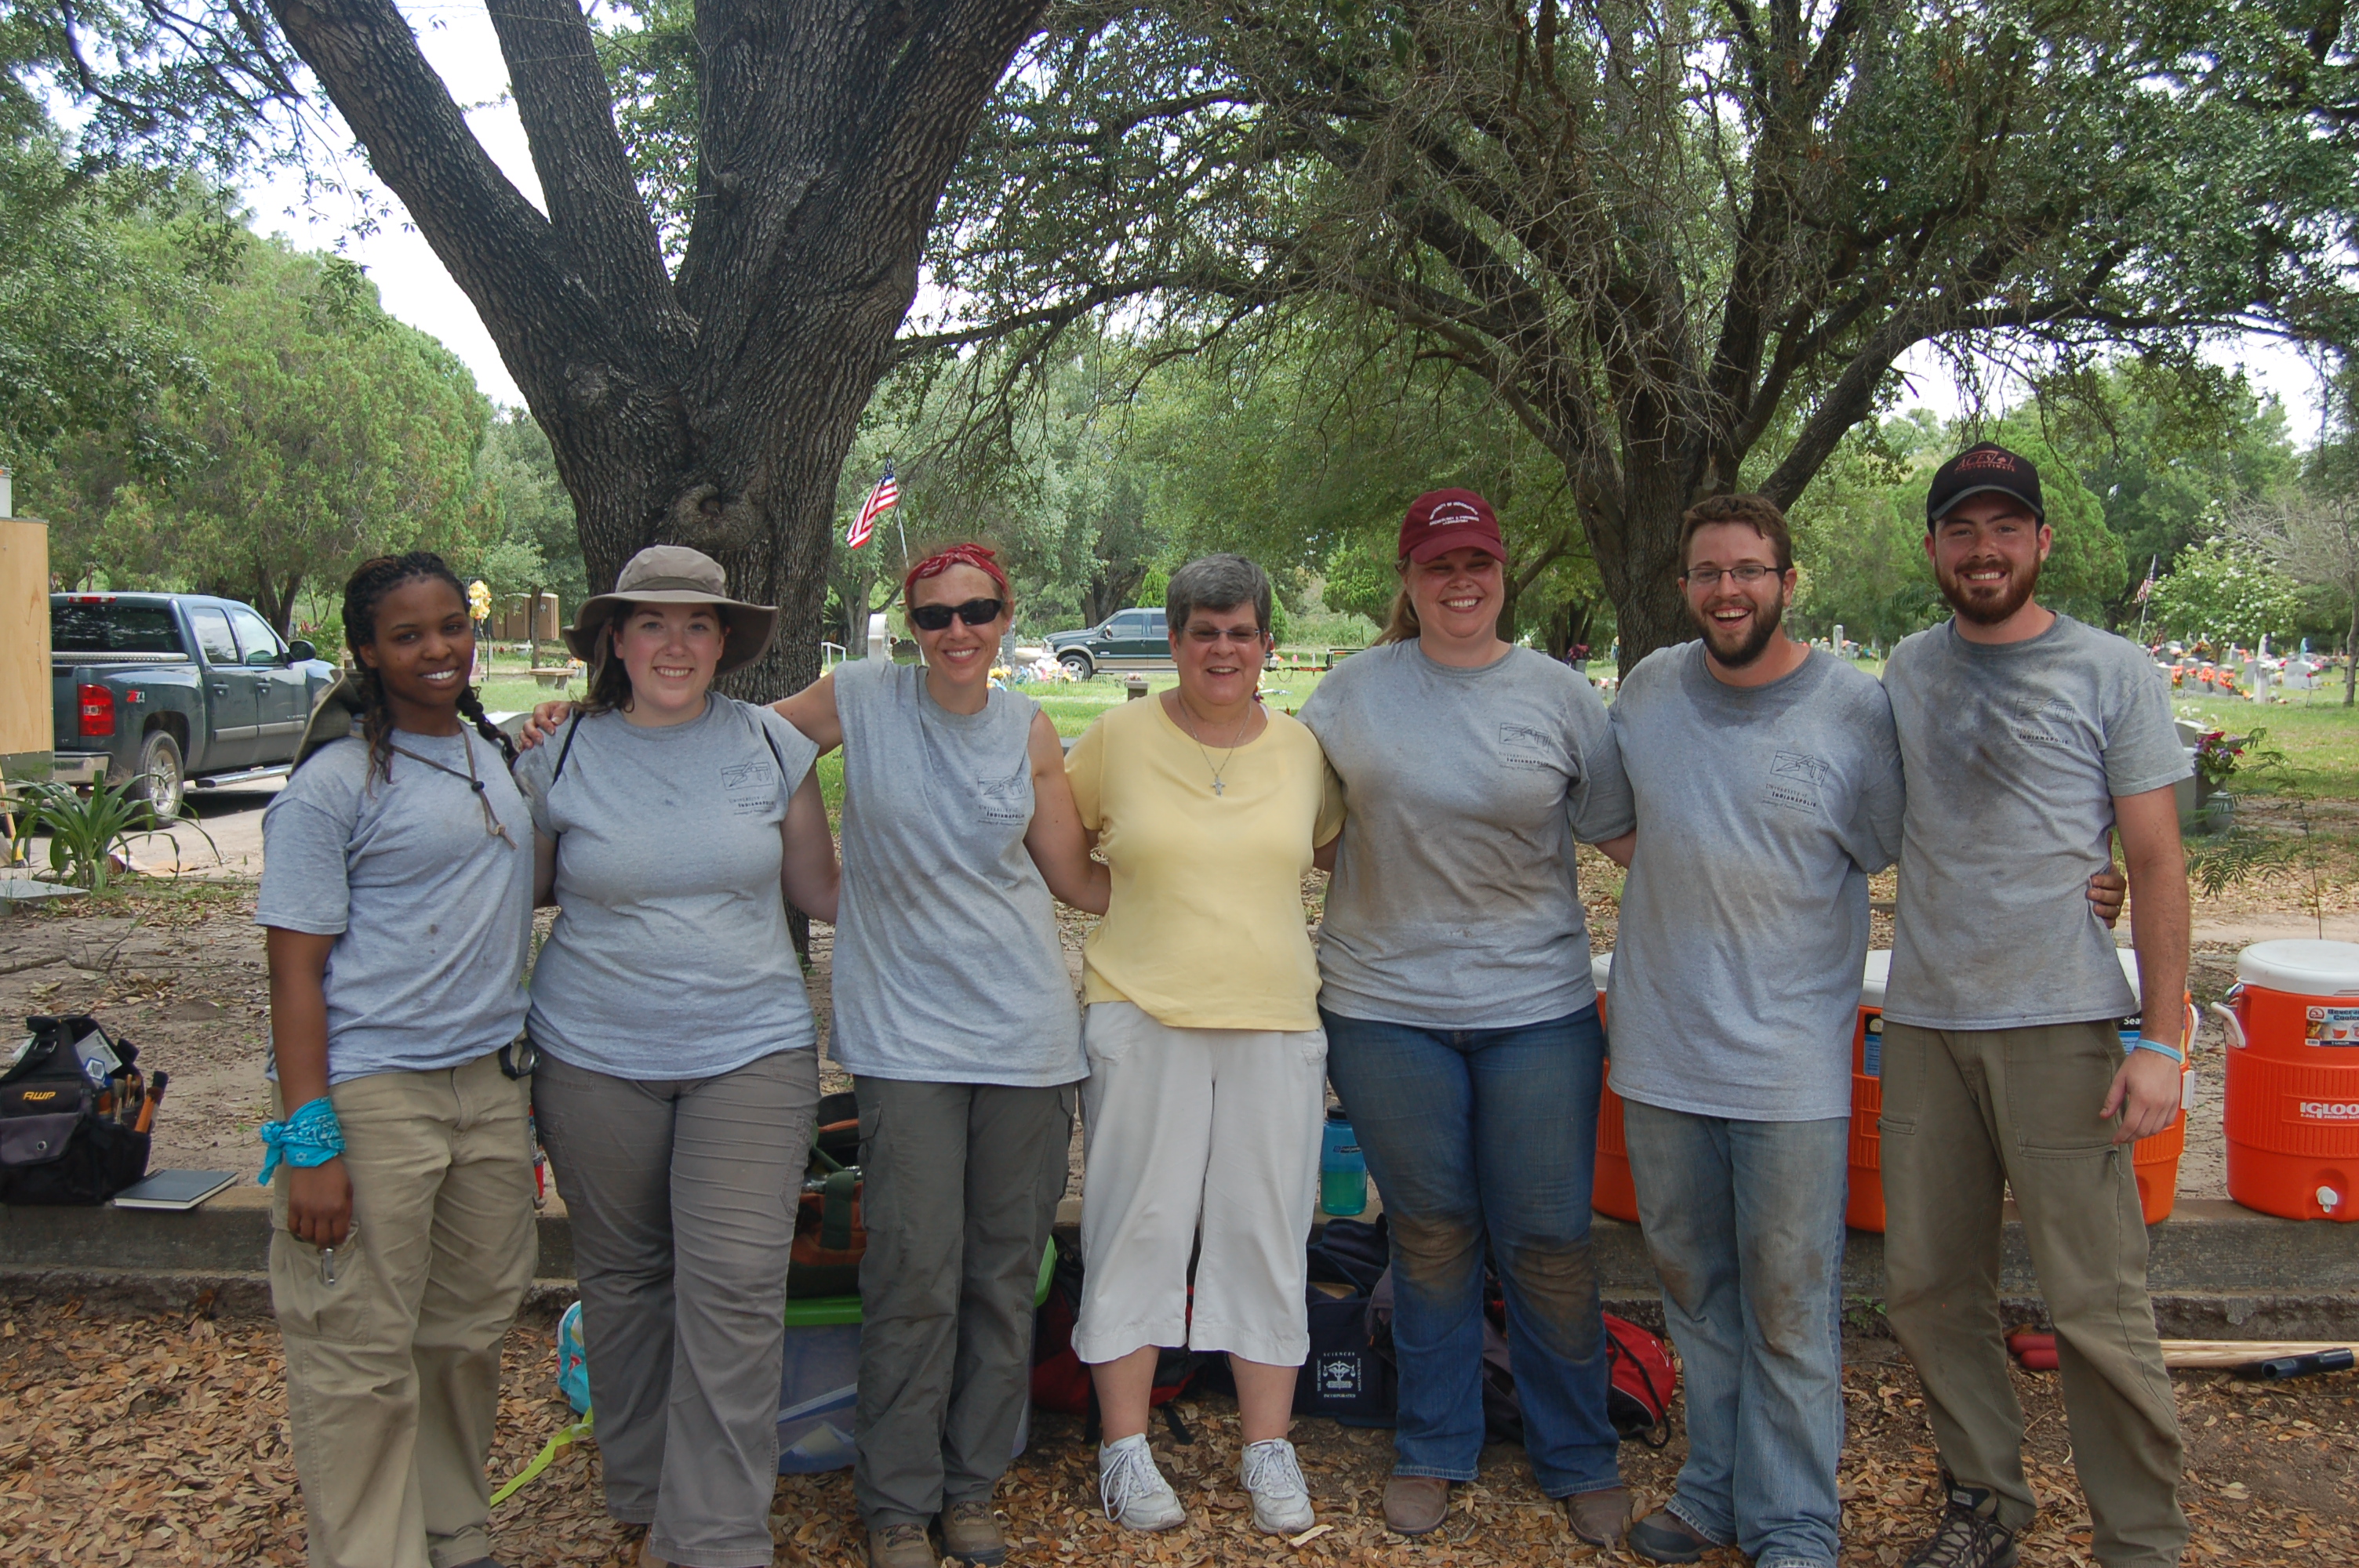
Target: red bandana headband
982, 558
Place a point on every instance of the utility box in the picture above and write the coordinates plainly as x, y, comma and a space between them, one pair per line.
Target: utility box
27, 740
518, 619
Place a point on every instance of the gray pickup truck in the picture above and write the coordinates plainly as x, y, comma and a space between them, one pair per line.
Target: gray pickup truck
165, 690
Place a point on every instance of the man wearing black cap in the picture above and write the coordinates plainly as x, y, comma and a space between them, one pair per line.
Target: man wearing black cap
2028, 739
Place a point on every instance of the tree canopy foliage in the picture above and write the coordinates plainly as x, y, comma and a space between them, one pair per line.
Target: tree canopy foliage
316, 429
1683, 245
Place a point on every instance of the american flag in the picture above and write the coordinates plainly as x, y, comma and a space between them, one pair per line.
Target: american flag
2147, 587
881, 500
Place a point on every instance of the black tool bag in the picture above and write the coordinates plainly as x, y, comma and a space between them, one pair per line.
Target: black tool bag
1345, 1376
54, 1146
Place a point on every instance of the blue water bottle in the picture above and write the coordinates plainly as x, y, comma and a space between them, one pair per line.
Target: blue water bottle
1342, 1170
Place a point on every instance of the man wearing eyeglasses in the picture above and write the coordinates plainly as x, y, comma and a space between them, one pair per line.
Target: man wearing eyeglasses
2030, 739
1768, 787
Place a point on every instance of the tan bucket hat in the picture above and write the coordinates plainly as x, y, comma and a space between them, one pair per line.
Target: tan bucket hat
674, 574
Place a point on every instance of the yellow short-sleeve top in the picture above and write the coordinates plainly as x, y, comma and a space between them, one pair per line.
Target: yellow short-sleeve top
1206, 928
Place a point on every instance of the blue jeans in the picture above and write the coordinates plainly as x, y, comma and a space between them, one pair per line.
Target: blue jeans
1487, 1133
1745, 1223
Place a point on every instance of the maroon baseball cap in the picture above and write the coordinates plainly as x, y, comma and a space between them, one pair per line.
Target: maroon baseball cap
1444, 520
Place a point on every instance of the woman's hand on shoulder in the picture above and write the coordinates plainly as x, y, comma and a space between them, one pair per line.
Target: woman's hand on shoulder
547, 718
812, 711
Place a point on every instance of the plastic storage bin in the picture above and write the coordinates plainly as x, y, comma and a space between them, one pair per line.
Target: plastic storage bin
820, 1380
2292, 1090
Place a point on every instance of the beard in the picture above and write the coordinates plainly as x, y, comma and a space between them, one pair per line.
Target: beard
1735, 651
1988, 606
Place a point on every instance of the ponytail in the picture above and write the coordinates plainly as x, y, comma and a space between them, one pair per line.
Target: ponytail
1401, 625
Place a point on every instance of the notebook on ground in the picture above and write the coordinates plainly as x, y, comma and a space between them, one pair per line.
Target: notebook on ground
174, 1189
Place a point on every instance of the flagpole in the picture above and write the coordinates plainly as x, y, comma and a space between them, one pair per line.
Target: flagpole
2145, 595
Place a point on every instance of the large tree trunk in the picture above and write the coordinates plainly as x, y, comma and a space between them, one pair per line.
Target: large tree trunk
714, 408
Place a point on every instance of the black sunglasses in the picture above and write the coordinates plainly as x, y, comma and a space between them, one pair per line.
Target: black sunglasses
974, 612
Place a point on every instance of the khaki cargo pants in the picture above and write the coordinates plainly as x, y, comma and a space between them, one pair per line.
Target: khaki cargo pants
392, 1371
1968, 1114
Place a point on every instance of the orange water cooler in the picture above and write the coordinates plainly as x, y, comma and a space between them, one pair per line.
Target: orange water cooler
2154, 1160
1610, 1192
2292, 1095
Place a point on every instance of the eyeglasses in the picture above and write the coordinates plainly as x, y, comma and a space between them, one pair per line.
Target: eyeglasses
1243, 636
974, 612
1746, 575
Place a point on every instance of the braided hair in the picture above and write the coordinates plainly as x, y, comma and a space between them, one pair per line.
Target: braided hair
368, 585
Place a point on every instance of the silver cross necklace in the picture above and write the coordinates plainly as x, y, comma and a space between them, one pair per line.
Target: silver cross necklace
1235, 741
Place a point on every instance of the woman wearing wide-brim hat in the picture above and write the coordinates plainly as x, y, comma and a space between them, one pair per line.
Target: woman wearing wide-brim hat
678, 1070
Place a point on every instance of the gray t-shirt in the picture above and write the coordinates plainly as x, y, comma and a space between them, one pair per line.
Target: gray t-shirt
1762, 811
669, 959
1454, 904
947, 965
431, 913
2014, 752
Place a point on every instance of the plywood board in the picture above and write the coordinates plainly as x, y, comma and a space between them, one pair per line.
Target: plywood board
24, 639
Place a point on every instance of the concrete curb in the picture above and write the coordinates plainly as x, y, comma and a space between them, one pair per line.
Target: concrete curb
2216, 1270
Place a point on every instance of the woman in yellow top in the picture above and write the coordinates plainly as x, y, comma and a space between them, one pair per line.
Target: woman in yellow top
1207, 1063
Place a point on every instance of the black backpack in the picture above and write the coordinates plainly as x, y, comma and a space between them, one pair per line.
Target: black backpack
55, 1147
1346, 1377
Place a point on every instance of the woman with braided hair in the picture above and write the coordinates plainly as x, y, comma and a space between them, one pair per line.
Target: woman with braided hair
397, 901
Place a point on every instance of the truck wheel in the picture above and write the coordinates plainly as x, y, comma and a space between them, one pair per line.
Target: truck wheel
1079, 663
159, 781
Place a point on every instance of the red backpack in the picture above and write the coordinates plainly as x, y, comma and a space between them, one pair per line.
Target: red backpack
1645, 1379
1059, 1381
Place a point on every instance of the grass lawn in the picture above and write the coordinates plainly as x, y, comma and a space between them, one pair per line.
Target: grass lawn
2319, 736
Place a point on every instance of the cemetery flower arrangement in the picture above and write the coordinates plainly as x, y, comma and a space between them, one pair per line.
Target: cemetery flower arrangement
2216, 753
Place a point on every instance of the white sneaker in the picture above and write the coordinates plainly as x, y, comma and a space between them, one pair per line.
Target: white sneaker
1136, 1495
1281, 1502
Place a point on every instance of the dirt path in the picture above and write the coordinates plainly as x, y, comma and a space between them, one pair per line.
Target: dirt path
163, 1440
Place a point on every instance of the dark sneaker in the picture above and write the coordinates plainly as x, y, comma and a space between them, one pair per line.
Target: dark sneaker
1664, 1537
971, 1533
1970, 1535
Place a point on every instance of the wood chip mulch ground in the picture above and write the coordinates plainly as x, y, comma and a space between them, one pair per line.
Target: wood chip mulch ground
133, 1439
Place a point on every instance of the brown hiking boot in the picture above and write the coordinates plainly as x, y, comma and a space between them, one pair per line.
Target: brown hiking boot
1970, 1535
971, 1533
901, 1546
1416, 1505
1600, 1517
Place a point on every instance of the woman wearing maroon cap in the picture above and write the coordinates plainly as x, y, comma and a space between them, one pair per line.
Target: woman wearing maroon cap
1461, 1022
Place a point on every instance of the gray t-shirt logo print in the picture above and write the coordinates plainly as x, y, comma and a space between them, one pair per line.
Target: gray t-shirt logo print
1794, 780
1007, 799
1525, 746
2048, 722
749, 785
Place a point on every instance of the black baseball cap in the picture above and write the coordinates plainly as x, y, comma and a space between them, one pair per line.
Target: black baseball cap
1980, 468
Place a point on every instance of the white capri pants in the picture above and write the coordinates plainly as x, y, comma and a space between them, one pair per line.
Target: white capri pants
1183, 1128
